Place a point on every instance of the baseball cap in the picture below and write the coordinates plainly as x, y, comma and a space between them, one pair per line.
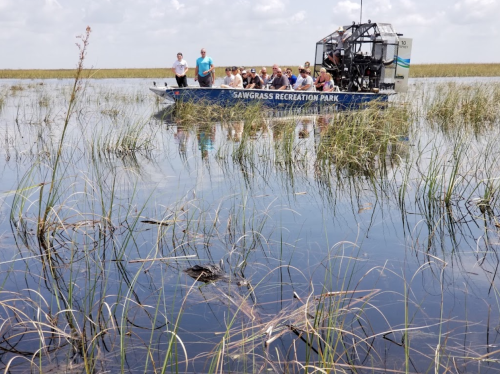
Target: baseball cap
253, 71
244, 72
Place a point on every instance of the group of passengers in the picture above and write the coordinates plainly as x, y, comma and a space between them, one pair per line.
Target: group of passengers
240, 78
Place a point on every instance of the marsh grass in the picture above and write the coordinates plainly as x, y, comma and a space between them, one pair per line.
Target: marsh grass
416, 71
3, 98
109, 293
125, 136
361, 140
455, 70
189, 113
475, 106
104, 73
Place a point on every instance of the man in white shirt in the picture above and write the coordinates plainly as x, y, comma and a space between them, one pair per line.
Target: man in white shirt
307, 82
180, 68
299, 80
228, 79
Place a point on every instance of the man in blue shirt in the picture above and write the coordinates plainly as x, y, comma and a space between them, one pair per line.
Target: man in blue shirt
291, 77
205, 70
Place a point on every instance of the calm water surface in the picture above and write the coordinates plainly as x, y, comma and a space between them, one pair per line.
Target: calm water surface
141, 197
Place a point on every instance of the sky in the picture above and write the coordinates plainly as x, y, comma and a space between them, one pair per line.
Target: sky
41, 34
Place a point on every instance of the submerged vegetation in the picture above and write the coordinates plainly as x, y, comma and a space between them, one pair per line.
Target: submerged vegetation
361, 241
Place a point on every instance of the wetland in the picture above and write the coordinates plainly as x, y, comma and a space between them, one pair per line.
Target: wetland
351, 242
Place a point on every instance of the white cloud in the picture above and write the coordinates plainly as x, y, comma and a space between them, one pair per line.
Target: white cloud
52, 4
474, 11
148, 33
299, 17
347, 7
176, 4
104, 11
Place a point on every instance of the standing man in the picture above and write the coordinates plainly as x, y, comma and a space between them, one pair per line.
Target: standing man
180, 68
275, 69
205, 70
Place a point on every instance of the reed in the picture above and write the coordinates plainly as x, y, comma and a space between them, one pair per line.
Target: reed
473, 106
153, 73
361, 140
455, 70
416, 71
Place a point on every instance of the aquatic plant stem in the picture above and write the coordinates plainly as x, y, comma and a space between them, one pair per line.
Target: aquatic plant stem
42, 223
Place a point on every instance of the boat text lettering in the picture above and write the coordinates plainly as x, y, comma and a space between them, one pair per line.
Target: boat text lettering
284, 96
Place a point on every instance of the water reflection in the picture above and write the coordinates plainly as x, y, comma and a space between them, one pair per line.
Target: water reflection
367, 255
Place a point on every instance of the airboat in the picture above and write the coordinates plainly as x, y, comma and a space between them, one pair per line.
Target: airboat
373, 63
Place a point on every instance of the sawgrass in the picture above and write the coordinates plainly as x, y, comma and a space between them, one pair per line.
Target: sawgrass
158, 73
416, 71
455, 70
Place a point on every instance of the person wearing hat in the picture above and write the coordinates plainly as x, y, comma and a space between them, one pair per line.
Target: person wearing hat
237, 81
245, 77
228, 78
255, 82
180, 68
334, 56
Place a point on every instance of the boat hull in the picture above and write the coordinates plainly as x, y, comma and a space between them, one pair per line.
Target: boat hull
279, 99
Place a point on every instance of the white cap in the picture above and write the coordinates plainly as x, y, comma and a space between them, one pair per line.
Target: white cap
244, 72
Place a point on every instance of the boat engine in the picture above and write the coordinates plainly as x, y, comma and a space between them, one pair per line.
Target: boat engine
367, 59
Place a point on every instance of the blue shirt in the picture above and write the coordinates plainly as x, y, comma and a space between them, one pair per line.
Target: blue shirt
204, 64
292, 79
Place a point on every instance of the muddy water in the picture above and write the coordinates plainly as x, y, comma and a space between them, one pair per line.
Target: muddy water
336, 260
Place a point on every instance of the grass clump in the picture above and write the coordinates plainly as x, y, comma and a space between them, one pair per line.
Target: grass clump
361, 140
455, 105
194, 113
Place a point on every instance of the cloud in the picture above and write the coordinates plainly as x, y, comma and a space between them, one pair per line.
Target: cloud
148, 33
268, 8
474, 11
299, 17
103, 11
176, 4
347, 7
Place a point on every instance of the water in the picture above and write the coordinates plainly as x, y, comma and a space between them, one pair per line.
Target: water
110, 293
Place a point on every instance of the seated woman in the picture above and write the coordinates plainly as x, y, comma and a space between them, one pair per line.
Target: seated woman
328, 86
320, 81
